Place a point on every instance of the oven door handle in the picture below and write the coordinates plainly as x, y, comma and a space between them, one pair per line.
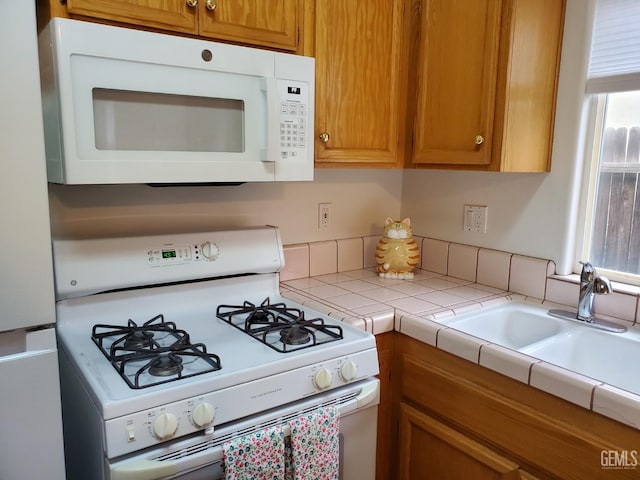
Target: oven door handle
144, 470
368, 394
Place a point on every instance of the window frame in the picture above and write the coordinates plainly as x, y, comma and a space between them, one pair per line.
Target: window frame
595, 106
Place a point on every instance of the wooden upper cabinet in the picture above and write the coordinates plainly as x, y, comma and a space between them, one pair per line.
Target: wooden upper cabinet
486, 80
361, 78
456, 81
176, 16
273, 23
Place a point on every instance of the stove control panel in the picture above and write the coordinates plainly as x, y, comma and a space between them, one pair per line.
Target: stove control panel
166, 422
180, 254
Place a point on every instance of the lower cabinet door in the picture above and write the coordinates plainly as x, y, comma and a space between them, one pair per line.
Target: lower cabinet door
431, 450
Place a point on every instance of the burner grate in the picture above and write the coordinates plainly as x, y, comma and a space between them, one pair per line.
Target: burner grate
153, 353
284, 329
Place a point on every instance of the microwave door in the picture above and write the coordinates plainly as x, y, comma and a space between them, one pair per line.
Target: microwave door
199, 126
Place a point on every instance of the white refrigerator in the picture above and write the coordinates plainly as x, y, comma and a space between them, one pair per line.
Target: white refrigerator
30, 416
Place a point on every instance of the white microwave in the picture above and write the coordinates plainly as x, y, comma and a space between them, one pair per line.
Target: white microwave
127, 106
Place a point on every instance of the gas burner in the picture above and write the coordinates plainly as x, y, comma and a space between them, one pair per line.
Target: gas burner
165, 365
155, 350
282, 328
138, 339
295, 335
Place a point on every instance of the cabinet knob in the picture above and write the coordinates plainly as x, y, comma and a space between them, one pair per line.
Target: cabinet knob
479, 139
211, 5
192, 3
324, 137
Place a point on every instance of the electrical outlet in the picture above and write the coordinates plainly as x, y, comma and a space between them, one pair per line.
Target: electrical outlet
324, 215
475, 218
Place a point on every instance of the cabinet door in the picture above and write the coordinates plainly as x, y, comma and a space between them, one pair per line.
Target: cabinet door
361, 75
272, 23
456, 81
176, 15
429, 449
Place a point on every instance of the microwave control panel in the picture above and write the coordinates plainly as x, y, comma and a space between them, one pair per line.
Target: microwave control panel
294, 99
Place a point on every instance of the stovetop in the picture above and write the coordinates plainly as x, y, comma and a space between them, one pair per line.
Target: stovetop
157, 351
192, 307
154, 352
280, 326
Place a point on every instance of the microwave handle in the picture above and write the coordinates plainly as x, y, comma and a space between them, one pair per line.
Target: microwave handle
271, 151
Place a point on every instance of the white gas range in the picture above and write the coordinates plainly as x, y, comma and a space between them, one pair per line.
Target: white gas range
175, 343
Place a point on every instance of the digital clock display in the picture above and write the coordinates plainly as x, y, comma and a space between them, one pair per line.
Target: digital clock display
168, 254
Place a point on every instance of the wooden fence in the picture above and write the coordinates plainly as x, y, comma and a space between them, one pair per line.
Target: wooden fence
615, 242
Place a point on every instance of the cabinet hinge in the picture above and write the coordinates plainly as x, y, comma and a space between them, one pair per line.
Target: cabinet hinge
298, 39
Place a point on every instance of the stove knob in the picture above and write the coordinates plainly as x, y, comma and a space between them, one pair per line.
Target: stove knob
210, 250
203, 414
323, 378
165, 425
349, 370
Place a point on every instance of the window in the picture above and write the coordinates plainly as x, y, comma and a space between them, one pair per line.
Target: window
612, 236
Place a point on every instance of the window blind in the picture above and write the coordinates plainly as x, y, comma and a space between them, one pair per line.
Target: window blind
614, 61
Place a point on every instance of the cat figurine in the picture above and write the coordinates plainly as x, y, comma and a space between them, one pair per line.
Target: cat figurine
397, 253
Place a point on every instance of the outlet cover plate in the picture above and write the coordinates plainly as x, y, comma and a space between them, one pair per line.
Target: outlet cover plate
475, 218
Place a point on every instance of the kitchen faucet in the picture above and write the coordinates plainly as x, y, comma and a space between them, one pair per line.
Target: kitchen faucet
590, 285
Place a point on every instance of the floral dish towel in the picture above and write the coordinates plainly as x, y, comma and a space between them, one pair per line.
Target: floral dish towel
257, 456
315, 445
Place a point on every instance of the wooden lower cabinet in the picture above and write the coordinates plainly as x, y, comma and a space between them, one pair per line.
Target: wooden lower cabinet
431, 450
458, 420
384, 343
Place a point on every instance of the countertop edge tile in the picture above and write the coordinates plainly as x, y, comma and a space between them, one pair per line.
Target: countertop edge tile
460, 344
563, 383
507, 362
617, 404
421, 329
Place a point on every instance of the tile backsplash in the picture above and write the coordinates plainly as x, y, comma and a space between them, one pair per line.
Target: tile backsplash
531, 277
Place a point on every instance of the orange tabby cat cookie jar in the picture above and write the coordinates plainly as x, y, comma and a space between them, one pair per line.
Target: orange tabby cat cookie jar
397, 253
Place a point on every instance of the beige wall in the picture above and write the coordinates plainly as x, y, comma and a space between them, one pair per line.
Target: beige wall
360, 202
529, 214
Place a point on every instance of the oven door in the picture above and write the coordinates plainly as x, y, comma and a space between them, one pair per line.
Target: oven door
200, 457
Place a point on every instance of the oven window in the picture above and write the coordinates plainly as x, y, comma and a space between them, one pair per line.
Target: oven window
144, 121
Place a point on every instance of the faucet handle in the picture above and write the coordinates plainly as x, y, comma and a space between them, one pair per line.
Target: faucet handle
588, 272
602, 286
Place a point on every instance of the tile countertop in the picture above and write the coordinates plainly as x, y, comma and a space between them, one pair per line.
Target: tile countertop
413, 307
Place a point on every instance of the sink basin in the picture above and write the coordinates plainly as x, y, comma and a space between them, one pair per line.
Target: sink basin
513, 325
528, 328
610, 357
